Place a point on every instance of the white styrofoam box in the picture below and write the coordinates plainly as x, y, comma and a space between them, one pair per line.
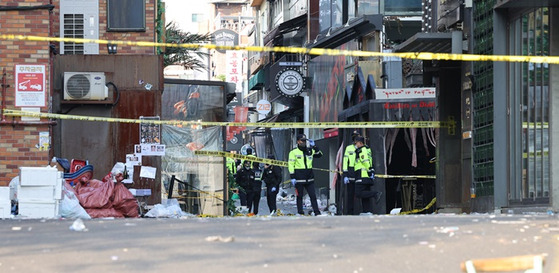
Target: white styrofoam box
39, 176
4, 194
5, 208
38, 210
58, 189
36, 193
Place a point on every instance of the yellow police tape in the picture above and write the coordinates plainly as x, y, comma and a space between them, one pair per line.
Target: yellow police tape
358, 124
420, 210
253, 159
284, 164
303, 50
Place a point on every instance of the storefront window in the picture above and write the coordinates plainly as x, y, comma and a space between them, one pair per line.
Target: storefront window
529, 35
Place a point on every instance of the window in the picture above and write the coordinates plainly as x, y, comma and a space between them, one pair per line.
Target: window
197, 17
529, 82
126, 15
402, 7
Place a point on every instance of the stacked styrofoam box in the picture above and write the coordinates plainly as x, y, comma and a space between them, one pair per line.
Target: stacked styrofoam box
39, 192
5, 203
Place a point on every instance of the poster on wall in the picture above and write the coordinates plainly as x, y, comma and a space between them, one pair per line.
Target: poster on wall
30, 85
150, 133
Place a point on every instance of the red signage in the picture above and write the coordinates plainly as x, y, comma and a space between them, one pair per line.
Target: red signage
30, 85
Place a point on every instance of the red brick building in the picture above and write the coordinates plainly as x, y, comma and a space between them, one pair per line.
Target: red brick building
20, 139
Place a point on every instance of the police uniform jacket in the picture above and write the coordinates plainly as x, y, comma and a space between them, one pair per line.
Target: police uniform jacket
349, 162
300, 163
363, 164
245, 179
272, 176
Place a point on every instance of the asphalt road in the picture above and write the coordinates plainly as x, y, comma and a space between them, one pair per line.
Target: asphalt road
420, 243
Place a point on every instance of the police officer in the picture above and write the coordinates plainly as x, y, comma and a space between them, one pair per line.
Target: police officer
349, 173
364, 175
272, 178
246, 179
243, 192
301, 173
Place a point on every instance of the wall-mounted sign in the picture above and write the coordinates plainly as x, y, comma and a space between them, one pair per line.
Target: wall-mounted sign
263, 107
290, 82
225, 37
30, 85
291, 63
405, 93
234, 68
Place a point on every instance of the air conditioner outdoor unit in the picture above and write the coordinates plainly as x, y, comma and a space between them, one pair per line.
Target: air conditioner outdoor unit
85, 86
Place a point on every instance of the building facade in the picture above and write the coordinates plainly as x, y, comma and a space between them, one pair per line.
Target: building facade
132, 73
503, 111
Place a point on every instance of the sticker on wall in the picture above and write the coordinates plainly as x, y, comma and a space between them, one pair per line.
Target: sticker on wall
44, 141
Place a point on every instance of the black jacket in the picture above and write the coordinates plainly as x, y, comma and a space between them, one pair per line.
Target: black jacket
245, 179
272, 176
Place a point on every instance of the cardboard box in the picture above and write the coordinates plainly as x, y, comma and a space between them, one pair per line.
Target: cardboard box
36, 210
39, 176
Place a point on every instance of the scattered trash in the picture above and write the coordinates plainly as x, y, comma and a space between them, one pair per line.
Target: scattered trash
170, 209
395, 211
16, 228
449, 230
220, 239
78, 225
114, 258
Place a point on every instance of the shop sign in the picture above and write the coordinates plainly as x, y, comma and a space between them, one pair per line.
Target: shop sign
290, 82
263, 107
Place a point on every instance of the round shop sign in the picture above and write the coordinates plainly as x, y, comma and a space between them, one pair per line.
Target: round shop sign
289, 82
263, 107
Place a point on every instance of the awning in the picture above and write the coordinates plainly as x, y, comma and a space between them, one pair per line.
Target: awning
440, 42
286, 27
257, 80
355, 28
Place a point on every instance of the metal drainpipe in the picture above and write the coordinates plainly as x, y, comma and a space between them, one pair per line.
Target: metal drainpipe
3, 119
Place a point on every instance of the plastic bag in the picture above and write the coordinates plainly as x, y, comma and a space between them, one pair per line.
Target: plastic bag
95, 194
170, 210
70, 206
124, 202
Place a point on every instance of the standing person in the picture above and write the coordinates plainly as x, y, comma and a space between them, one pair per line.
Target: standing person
272, 178
365, 175
349, 173
245, 179
243, 193
301, 173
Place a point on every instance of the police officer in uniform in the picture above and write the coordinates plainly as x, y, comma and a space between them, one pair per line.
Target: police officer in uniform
243, 191
301, 173
365, 175
272, 178
349, 173
246, 179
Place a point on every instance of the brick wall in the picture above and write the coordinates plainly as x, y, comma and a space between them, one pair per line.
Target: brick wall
140, 36
18, 143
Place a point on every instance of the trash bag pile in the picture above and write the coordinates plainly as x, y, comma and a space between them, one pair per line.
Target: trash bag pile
85, 197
